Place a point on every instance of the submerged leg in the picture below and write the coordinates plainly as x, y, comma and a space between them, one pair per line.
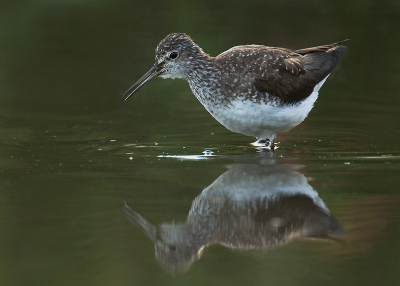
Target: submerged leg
265, 144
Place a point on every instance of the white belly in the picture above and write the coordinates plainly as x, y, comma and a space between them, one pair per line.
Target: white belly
262, 120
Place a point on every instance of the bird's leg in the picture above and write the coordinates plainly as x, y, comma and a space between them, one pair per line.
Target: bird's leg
265, 144
270, 144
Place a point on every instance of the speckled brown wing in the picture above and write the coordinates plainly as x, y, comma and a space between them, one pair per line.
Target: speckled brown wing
290, 76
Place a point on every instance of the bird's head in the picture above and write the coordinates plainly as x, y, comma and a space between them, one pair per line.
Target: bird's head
176, 55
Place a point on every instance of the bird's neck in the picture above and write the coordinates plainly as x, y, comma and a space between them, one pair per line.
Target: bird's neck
204, 79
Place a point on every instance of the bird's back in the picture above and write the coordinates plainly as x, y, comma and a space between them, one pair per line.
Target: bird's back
287, 76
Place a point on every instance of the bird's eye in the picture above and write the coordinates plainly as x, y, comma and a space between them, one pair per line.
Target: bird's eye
173, 55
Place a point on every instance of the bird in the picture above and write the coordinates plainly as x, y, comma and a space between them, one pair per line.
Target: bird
254, 90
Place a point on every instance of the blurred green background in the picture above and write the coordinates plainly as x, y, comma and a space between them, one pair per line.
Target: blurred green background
72, 151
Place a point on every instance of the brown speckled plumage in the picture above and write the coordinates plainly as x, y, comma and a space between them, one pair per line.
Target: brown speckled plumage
232, 84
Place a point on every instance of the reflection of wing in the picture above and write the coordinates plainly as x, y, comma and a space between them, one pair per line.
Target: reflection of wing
292, 75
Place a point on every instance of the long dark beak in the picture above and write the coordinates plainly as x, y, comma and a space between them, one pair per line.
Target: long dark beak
153, 72
137, 219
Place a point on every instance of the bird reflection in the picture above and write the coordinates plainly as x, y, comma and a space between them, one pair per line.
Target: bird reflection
250, 206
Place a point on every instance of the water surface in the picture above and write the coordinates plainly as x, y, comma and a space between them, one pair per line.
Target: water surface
73, 152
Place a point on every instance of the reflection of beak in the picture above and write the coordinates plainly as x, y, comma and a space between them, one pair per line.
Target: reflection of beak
153, 72
136, 218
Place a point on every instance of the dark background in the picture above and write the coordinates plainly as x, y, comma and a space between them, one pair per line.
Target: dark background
72, 151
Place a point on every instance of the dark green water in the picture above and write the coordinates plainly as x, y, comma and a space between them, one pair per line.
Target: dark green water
72, 151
